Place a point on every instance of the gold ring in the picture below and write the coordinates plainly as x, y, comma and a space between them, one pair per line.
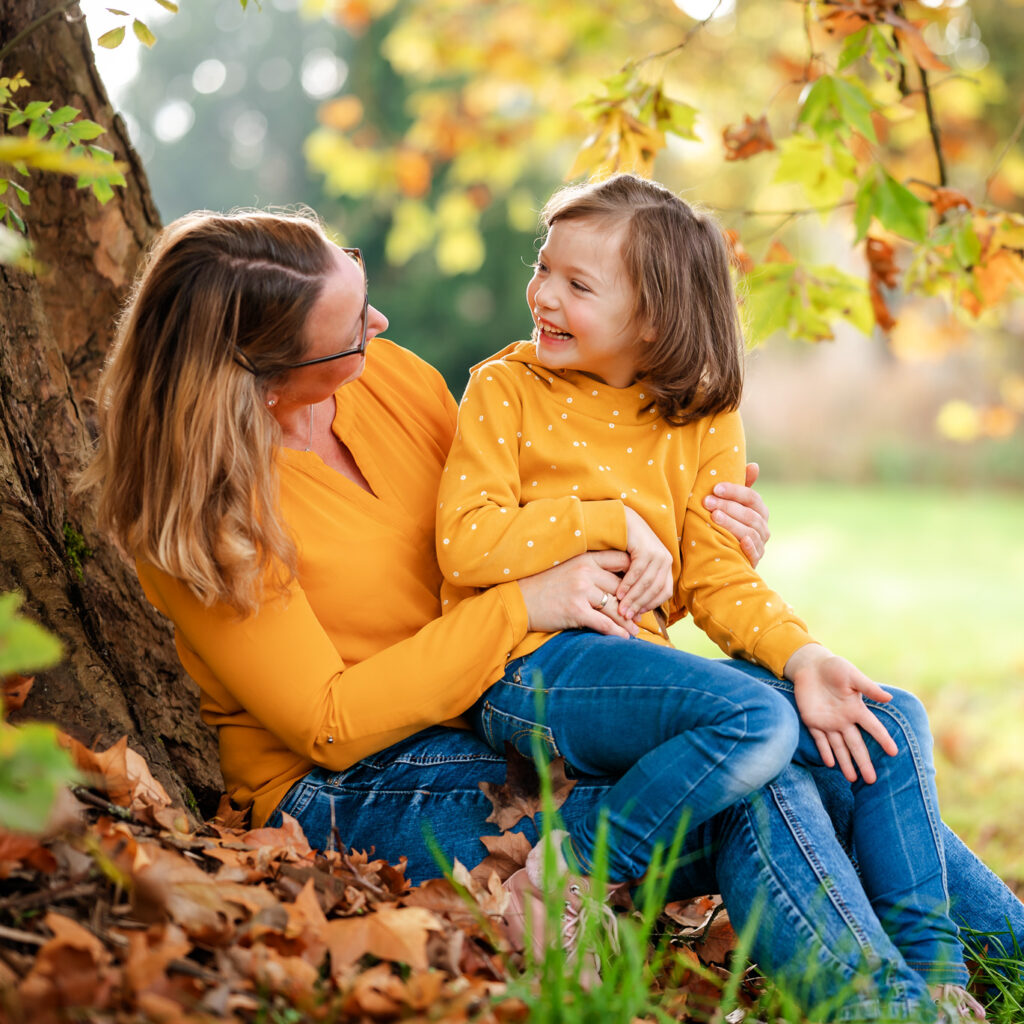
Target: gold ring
604, 601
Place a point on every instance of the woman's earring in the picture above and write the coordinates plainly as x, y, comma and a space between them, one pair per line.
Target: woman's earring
271, 402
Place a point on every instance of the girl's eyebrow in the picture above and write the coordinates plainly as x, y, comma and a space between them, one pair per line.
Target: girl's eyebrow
574, 271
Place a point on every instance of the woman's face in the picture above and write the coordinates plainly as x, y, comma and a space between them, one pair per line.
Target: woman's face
335, 324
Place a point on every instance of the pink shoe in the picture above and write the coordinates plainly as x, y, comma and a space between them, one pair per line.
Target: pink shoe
956, 1004
526, 916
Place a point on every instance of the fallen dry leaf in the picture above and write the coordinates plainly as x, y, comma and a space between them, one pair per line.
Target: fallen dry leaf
398, 934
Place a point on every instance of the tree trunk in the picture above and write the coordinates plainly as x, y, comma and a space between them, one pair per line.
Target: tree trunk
120, 674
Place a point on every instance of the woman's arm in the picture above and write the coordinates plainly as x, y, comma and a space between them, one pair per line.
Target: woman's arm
280, 670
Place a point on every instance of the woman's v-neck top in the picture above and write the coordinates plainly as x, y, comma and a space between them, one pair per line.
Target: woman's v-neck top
356, 655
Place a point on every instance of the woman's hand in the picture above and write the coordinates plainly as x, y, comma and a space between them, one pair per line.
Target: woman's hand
742, 512
648, 581
830, 695
579, 594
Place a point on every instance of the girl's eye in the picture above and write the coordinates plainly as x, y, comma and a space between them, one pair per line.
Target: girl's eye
538, 267
580, 287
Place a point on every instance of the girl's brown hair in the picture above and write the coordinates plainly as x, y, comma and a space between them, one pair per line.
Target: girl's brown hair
677, 261
184, 469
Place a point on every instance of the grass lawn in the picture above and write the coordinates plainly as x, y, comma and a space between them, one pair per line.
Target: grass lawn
923, 589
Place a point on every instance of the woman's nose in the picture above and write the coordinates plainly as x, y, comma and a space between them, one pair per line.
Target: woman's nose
378, 322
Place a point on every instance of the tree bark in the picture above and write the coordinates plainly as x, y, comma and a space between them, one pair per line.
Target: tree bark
120, 674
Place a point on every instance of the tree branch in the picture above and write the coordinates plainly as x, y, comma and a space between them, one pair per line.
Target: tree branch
678, 46
1010, 143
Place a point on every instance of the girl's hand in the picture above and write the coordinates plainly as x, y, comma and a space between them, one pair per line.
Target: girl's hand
573, 595
830, 694
741, 511
648, 582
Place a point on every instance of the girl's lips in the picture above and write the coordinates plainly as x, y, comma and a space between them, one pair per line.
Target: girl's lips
550, 331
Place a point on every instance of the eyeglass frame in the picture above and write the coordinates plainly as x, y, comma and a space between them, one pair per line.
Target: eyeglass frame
357, 253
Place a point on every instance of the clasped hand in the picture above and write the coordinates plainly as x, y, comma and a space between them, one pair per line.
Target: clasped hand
830, 694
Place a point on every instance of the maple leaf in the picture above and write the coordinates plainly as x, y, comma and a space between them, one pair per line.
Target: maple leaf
519, 796
398, 934
744, 141
506, 854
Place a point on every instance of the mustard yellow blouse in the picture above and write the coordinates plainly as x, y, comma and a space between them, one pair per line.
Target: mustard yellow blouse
357, 656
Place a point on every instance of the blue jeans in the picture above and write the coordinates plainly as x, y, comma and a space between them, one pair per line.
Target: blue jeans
681, 734
775, 856
896, 834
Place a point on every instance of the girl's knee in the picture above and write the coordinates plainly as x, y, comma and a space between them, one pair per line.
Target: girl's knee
773, 725
906, 714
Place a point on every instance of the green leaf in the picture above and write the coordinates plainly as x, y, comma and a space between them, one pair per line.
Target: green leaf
82, 131
899, 209
167, 5
16, 117
24, 646
864, 209
114, 10
25, 198
770, 299
38, 130
37, 108
142, 33
3, 210
112, 40
824, 171
63, 115
854, 48
33, 767
835, 104
4, 182
966, 244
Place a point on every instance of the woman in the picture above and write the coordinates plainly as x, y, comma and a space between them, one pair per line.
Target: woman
275, 482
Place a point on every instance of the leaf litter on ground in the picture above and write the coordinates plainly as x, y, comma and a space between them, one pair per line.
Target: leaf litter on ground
127, 908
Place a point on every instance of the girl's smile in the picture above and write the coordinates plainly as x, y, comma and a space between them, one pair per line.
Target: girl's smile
582, 302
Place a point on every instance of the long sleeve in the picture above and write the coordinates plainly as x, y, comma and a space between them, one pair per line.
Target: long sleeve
490, 528
281, 668
726, 597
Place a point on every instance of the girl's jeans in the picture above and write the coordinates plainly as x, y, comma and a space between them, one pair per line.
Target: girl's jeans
775, 856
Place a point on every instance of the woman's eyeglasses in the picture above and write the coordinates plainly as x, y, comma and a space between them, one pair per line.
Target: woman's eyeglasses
356, 255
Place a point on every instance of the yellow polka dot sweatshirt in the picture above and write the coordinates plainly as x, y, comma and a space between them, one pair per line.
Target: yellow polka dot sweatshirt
542, 467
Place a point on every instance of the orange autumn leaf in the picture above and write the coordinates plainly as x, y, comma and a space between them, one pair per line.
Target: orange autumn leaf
909, 33
412, 173
945, 199
72, 970
741, 259
342, 113
778, 253
1000, 273
747, 140
17, 850
124, 774
506, 854
15, 691
880, 259
397, 934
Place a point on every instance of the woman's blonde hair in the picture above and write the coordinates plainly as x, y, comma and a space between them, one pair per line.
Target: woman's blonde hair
184, 468
677, 261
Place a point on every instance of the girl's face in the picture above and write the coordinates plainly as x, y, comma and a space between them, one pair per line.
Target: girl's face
582, 302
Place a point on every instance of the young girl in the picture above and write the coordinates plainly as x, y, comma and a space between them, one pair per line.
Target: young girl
609, 430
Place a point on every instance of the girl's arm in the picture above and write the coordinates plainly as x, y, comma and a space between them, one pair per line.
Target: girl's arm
746, 619
718, 585
488, 529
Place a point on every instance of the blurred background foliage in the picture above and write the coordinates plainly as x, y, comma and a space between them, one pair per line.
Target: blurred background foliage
430, 132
